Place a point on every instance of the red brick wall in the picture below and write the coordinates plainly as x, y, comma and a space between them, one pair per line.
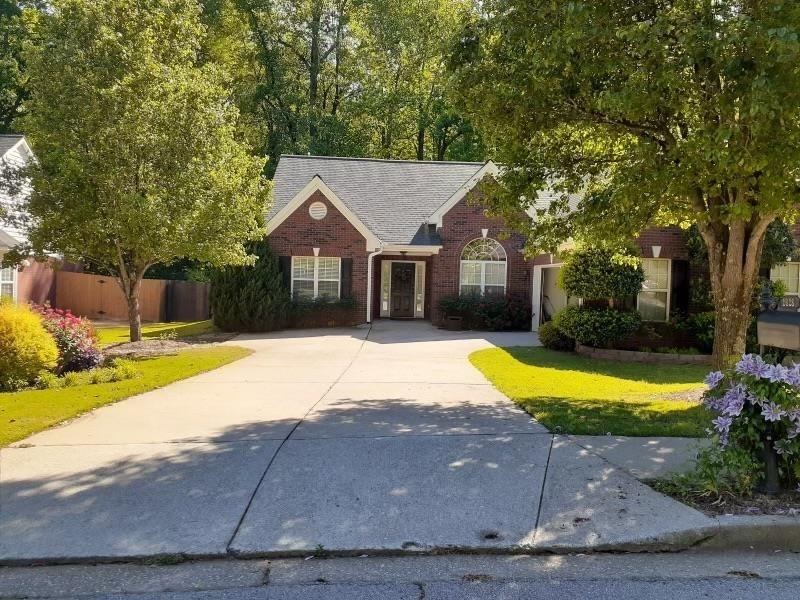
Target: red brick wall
671, 240
334, 235
461, 225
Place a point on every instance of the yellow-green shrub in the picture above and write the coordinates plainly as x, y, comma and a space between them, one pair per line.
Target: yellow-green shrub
26, 349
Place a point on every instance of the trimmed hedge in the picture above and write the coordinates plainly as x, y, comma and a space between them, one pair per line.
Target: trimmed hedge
599, 274
323, 312
492, 314
553, 338
597, 327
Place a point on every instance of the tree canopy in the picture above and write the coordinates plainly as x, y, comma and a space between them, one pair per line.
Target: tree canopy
135, 136
654, 111
344, 77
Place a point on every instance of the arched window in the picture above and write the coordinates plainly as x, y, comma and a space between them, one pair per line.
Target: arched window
483, 268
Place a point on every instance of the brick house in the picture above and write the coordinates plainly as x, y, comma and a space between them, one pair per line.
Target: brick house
398, 236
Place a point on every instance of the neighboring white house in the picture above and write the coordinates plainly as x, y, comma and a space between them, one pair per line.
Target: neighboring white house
34, 282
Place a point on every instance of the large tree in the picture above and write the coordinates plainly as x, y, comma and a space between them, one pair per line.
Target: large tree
344, 77
656, 112
138, 162
12, 84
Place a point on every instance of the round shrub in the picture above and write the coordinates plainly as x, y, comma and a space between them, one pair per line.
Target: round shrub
77, 343
597, 327
597, 274
26, 349
553, 338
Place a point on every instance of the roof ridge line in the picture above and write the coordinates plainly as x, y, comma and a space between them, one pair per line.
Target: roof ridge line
386, 160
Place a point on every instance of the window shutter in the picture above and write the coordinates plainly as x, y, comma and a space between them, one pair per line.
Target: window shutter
285, 266
347, 278
680, 286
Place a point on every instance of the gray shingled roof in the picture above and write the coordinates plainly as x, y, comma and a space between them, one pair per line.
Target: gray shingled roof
7, 240
8, 141
393, 198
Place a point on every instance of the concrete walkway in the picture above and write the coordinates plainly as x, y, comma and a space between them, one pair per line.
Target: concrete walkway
381, 439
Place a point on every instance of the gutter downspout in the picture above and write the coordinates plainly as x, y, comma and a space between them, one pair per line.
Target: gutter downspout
369, 281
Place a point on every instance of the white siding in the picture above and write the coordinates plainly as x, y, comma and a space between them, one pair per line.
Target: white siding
14, 158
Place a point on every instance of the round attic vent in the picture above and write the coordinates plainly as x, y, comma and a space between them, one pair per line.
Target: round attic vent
318, 210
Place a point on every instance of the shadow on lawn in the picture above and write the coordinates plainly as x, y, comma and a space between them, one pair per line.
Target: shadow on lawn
603, 416
648, 373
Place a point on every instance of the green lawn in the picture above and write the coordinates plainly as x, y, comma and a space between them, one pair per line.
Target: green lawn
572, 394
26, 412
120, 333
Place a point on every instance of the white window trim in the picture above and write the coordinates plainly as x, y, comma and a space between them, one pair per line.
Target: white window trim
668, 290
14, 282
483, 283
772, 276
316, 276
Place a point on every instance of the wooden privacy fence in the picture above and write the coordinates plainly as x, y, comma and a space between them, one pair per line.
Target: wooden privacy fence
99, 297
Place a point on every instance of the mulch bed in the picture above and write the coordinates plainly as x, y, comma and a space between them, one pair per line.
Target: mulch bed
163, 347
787, 504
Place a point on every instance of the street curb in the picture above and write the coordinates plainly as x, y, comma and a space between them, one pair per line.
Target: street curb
755, 532
730, 533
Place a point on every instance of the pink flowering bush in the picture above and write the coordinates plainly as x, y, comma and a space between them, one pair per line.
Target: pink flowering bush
77, 343
757, 412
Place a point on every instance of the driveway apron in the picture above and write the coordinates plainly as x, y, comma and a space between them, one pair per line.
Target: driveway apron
410, 449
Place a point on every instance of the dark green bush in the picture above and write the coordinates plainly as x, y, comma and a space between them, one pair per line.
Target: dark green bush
493, 314
322, 312
599, 274
321, 304
553, 338
702, 326
251, 298
597, 327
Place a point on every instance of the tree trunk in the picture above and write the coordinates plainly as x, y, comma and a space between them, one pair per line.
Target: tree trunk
134, 312
129, 277
734, 257
732, 320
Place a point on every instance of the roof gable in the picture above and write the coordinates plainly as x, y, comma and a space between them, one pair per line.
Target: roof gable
8, 141
391, 198
318, 185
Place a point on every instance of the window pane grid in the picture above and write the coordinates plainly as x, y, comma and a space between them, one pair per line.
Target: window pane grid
315, 277
303, 268
486, 278
653, 300
789, 274
7, 282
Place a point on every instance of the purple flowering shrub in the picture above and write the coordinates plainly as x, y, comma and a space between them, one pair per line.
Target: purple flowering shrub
77, 343
757, 410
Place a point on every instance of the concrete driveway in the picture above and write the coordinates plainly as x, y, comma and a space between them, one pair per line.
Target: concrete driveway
381, 439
